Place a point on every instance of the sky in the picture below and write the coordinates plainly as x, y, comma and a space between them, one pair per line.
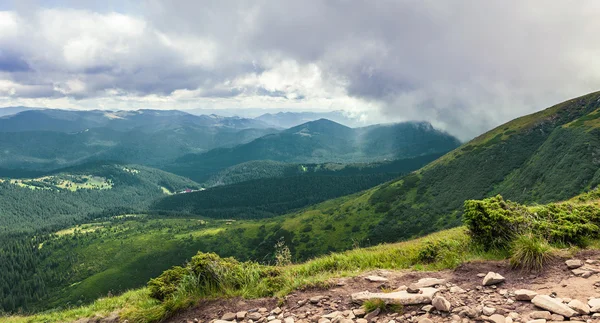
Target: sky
466, 66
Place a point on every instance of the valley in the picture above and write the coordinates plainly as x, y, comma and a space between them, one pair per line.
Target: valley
300, 206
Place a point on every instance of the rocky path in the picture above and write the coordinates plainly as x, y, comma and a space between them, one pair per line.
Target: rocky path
482, 291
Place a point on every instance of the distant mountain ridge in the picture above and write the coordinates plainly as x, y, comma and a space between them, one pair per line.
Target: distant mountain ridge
291, 119
323, 141
74, 121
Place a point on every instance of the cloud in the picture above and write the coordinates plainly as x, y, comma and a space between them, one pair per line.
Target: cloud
464, 65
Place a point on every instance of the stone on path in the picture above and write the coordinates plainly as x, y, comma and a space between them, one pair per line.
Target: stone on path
359, 312
594, 302
223, 321
441, 304
241, 315
541, 315
254, 316
496, 318
487, 311
376, 279
548, 303
579, 307
332, 315
288, 320
457, 290
524, 295
425, 320
574, 263
401, 297
595, 309
537, 321
372, 314
229, 317
316, 299
556, 317
323, 320
361, 321
429, 282
492, 278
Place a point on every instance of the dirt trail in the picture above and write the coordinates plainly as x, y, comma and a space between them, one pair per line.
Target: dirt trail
468, 299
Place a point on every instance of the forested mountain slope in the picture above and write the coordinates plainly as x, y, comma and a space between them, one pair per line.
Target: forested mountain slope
547, 156
71, 195
322, 141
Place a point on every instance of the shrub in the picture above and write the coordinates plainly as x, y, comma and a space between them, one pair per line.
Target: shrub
166, 283
207, 274
530, 252
493, 222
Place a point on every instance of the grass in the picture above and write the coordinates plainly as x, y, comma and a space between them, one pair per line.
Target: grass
530, 253
138, 306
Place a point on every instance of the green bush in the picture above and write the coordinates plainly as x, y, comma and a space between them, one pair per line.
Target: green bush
167, 282
207, 274
493, 222
530, 252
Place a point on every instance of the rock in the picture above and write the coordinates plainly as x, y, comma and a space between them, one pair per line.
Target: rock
457, 290
241, 315
537, 321
552, 305
514, 315
361, 321
424, 320
481, 275
596, 315
468, 312
228, 317
401, 297
376, 279
492, 278
263, 310
427, 308
574, 263
441, 304
524, 295
595, 309
488, 311
590, 261
579, 307
223, 321
254, 316
276, 321
271, 318
332, 315
413, 289
540, 315
556, 317
429, 282
276, 311
587, 274
372, 314
323, 320
582, 272
359, 312
496, 318
316, 299
593, 302
288, 320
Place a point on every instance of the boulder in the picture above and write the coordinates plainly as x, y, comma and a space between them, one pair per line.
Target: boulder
524, 295
376, 279
492, 278
548, 303
441, 304
574, 263
579, 307
401, 297
429, 282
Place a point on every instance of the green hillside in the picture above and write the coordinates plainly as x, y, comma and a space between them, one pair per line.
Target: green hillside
70, 195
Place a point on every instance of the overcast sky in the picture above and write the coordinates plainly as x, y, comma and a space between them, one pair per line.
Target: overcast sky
465, 66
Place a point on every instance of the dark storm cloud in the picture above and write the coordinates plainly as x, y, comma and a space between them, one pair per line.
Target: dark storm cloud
464, 65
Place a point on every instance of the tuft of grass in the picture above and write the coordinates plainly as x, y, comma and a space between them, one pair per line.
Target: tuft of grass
530, 252
374, 303
371, 305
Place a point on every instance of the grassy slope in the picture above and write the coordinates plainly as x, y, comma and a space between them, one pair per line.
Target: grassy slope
137, 306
